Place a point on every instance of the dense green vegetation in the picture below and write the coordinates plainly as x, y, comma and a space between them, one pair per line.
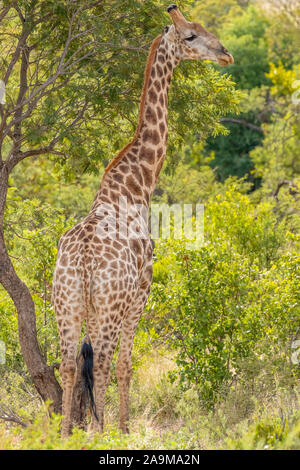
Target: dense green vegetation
212, 356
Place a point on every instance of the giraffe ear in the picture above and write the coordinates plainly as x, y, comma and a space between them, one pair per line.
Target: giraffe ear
169, 31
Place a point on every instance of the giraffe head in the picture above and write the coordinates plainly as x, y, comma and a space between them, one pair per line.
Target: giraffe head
192, 41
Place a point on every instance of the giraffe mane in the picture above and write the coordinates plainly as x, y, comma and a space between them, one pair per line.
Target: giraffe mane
150, 60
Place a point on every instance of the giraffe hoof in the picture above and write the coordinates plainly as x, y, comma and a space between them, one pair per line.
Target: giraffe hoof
125, 429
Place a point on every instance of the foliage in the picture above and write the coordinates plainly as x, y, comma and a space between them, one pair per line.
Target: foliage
244, 36
213, 14
283, 33
257, 36
32, 231
212, 355
277, 160
233, 299
231, 153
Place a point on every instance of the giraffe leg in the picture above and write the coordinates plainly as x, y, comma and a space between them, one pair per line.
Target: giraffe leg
124, 372
104, 324
124, 362
68, 375
102, 363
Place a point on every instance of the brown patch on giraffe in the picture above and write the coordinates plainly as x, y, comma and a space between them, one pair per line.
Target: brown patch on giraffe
64, 260
124, 191
114, 265
159, 167
117, 177
137, 173
105, 199
162, 128
151, 115
124, 169
117, 245
134, 149
133, 186
114, 196
152, 96
159, 112
159, 70
160, 152
147, 174
135, 246
102, 264
157, 85
151, 135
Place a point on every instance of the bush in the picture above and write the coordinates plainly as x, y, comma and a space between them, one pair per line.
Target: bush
232, 301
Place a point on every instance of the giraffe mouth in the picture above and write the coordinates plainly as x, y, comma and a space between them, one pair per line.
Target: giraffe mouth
225, 60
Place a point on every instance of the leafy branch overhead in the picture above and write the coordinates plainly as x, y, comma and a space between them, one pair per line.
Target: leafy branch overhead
71, 77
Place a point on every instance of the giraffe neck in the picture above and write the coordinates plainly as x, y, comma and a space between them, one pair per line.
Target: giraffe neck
134, 172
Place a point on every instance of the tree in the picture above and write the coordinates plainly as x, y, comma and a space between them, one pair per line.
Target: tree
277, 160
243, 32
214, 14
284, 32
73, 72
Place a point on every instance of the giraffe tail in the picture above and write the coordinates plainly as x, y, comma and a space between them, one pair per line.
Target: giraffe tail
88, 376
87, 352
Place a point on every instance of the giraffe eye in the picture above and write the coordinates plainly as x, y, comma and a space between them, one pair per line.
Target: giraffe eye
191, 38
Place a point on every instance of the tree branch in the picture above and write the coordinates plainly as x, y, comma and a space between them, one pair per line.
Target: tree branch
4, 13
9, 415
290, 184
241, 122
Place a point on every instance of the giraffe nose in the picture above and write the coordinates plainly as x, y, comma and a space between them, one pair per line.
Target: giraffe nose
225, 51
229, 57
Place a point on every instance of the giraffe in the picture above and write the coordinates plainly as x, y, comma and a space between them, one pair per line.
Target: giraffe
105, 280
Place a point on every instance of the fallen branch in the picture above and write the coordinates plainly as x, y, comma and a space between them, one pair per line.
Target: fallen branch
8, 414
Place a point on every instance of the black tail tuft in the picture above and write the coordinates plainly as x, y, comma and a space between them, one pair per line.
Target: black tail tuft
87, 374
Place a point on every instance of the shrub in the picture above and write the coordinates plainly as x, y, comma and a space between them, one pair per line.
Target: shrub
232, 301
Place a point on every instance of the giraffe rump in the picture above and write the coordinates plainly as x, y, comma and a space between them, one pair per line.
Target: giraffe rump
88, 376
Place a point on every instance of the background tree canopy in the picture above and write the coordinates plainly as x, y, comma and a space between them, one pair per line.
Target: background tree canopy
212, 357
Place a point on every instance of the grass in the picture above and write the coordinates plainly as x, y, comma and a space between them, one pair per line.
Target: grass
164, 417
